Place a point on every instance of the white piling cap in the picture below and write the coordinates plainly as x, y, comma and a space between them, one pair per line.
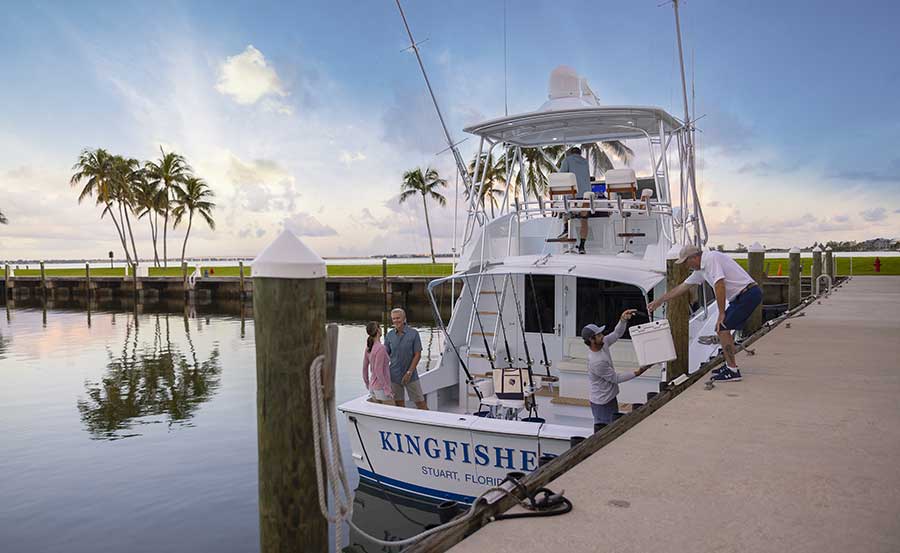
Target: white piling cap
756, 247
828, 249
288, 257
817, 249
795, 249
674, 251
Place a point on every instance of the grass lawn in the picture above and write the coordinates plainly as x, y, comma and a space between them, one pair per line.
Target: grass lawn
95, 271
861, 265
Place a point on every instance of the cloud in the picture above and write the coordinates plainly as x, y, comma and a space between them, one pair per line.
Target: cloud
714, 203
840, 218
351, 157
726, 132
762, 168
874, 214
262, 185
247, 77
890, 175
304, 224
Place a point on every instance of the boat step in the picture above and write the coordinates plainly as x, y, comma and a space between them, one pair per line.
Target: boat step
482, 334
487, 312
489, 292
479, 354
562, 240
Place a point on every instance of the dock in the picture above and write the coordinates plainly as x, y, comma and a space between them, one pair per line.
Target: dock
803, 455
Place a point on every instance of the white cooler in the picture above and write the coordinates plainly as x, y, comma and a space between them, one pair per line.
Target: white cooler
653, 342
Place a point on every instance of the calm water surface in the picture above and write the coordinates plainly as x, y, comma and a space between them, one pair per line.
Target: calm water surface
137, 432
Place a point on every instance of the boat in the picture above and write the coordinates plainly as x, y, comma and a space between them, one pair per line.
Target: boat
510, 388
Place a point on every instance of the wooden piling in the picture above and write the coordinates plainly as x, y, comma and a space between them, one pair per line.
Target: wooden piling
241, 274
829, 263
7, 281
816, 267
87, 285
678, 311
756, 261
385, 317
794, 278
43, 280
289, 310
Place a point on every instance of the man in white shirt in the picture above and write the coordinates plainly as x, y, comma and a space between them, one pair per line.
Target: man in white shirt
731, 283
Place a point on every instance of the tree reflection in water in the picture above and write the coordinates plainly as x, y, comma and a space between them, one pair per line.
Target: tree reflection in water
149, 384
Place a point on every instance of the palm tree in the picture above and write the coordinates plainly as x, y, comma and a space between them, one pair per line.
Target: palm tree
3, 219
494, 171
599, 153
128, 176
538, 164
425, 184
149, 200
95, 168
194, 196
168, 172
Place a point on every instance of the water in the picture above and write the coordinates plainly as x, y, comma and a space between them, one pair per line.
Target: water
137, 432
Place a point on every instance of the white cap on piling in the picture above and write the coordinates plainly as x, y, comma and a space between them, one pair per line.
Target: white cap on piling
795, 249
756, 247
828, 249
288, 257
817, 249
674, 251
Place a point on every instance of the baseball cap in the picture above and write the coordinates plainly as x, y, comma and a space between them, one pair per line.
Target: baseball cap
590, 331
687, 252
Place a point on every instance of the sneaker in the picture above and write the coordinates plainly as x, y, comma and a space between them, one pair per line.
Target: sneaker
708, 340
581, 249
727, 375
717, 371
564, 234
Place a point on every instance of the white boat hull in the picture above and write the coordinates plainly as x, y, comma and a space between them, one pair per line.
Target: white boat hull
445, 456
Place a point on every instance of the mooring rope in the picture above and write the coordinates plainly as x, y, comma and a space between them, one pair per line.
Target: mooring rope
327, 449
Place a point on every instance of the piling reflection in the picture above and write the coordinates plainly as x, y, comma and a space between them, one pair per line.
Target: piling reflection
149, 383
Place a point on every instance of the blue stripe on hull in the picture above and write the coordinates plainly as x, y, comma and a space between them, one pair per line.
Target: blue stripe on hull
414, 489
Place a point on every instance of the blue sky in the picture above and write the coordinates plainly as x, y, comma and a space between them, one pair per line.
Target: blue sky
306, 114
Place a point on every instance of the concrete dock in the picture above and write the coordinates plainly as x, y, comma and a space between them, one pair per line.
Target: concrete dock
803, 455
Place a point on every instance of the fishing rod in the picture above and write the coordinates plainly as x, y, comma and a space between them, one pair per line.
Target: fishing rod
440, 320
528, 360
537, 309
500, 319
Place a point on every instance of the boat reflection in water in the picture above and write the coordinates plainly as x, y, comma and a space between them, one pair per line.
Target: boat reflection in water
388, 516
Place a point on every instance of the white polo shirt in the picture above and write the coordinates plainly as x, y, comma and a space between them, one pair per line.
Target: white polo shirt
714, 266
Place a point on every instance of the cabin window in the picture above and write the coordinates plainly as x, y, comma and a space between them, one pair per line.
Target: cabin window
544, 288
602, 302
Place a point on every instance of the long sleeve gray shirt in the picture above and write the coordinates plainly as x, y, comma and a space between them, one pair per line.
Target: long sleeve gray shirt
602, 375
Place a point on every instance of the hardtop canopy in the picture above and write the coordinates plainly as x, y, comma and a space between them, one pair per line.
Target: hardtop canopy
575, 126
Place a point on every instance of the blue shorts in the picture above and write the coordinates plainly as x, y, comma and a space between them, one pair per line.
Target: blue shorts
604, 413
741, 307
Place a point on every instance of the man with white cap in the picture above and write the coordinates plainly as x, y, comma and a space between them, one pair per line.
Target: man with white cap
602, 375
731, 283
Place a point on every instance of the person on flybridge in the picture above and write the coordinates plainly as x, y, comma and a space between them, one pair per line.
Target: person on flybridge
575, 163
602, 375
732, 284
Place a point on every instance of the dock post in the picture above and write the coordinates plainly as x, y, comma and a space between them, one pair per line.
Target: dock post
756, 261
678, 311
385, 318
829, 264
184, 279
794, 278
43, 280
289, 309
7, 282
816, 268
241, 274
87, 284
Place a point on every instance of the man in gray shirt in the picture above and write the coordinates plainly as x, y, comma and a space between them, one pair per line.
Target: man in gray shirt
602, 375
404, 347
575, 163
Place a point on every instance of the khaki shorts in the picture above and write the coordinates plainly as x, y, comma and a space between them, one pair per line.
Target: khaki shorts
413, 389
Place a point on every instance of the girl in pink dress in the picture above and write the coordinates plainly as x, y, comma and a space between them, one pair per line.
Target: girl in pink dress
376, 366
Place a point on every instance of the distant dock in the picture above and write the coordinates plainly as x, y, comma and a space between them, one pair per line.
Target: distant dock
801, 456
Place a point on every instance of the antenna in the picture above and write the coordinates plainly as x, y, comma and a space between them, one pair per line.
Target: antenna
505, 58
460, 164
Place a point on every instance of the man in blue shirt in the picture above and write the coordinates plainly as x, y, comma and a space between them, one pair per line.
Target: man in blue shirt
405, 349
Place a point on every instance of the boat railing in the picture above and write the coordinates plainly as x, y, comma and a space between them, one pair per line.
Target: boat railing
543, 208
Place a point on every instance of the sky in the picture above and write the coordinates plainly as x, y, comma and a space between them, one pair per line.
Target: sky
305, 115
